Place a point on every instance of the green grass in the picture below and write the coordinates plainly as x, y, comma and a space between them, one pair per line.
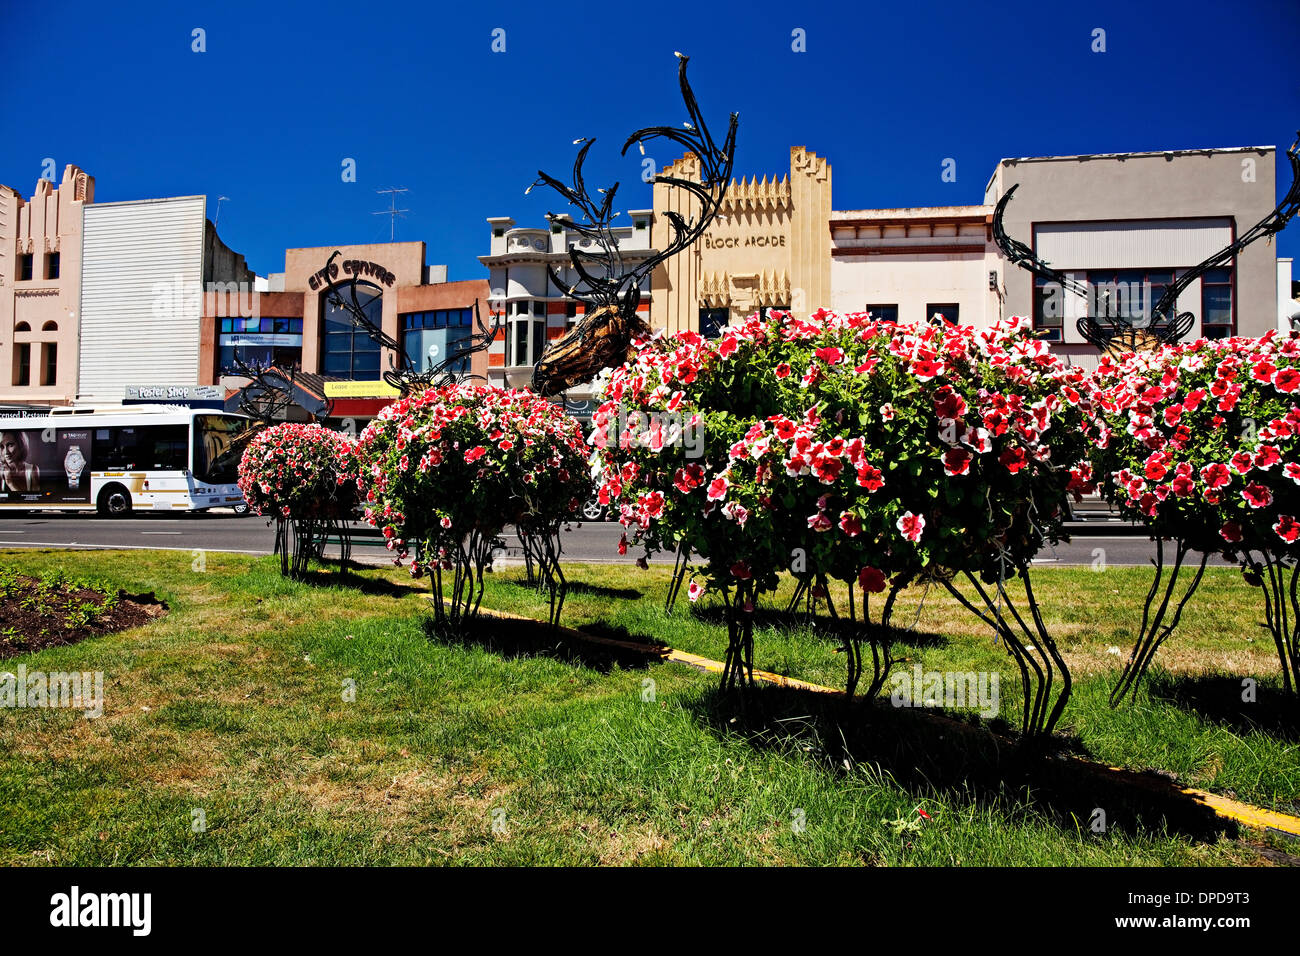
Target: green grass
234, 705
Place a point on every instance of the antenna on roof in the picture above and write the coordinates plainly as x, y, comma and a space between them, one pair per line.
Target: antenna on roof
392, 211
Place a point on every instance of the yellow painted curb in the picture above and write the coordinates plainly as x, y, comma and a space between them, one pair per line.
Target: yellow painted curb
1224, 807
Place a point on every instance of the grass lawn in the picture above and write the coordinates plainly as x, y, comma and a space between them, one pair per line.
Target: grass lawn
496, 749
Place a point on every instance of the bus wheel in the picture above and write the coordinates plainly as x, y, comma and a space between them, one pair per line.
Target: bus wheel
115, 501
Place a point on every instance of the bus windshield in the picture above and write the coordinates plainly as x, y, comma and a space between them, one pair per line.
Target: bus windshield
216, 457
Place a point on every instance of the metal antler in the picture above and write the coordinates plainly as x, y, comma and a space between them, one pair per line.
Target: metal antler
611, 293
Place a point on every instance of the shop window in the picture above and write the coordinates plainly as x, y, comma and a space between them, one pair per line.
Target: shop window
348, 350
713, 321
1049, 309
1216, 304
941, 312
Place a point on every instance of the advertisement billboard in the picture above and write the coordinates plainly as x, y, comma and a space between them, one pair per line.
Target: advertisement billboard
44, 465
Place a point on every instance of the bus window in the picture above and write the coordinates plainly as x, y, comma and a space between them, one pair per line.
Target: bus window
216, 456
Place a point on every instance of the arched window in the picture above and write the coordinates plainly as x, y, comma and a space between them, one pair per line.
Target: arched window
22, 327
346, 349
50, 326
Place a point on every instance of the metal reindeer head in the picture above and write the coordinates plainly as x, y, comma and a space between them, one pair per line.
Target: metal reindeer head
402, 373
609, 290
1113, 334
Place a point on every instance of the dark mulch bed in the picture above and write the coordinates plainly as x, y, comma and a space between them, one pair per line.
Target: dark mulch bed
33, 618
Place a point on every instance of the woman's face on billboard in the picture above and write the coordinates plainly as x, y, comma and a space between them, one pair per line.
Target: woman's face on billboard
11, 448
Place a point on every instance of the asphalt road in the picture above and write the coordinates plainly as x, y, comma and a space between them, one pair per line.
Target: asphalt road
591, 541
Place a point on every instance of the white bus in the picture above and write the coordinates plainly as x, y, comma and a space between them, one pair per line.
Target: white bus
120, 459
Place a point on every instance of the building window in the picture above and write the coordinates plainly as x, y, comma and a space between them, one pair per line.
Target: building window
570, 309
498, 233
23, 363
437, 319
941, 312
348, 350
640, 224
713, 321
526, 339
766, 310
24, 267
49, 363
265, 325
428, 338
52, 265
1126, 294
1049, 309
1216, 304
883, 313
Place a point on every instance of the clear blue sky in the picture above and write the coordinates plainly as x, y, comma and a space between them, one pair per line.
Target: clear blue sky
413, 92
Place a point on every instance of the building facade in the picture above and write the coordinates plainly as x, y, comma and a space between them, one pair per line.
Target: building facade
769, 247
535, 311
40, 289
1137, 221
291, 322
914, 264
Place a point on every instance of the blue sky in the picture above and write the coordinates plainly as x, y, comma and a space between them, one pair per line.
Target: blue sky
414, 93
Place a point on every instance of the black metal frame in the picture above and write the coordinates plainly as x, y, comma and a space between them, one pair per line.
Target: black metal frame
611, 293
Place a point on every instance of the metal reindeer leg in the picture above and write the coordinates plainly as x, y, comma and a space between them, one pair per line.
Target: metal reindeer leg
609, 292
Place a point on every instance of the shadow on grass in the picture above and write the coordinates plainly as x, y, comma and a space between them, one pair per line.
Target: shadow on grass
925, 751
521, 638
823, 625
1218, 699
597, 590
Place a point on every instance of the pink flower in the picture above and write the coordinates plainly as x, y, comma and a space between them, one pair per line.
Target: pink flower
870, 477
474, 454
1287, 528
830, 355
1257, 496
956, 461
887, 412
1230, 532
1266, 457
782, 370
693, 591
911, 526
445, 522
820, 522
740, 571
1287, 380
1014, 459
871, 580
1216, 475
718, 488
850, 524
727, 346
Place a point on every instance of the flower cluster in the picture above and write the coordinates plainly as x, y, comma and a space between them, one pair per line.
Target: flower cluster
848, 447
1201, 441
468, 459
299, 471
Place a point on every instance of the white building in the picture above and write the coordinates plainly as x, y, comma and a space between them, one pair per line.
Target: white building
911, 264
536, 310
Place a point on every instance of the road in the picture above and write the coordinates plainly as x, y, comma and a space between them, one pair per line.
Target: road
591, 541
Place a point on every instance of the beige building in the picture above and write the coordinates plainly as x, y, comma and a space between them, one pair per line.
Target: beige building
770, 247
40, 289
